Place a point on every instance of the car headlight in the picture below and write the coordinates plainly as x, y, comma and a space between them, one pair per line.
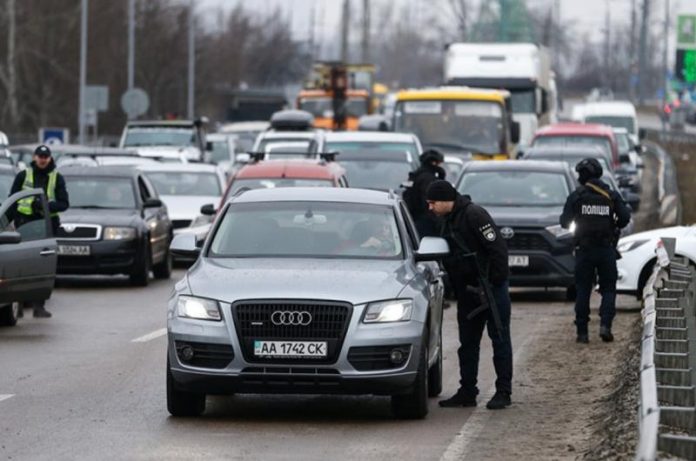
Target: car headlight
198, 308
625, 247
119, 233
559, 231
395, 310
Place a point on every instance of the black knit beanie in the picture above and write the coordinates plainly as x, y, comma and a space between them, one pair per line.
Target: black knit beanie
441, 191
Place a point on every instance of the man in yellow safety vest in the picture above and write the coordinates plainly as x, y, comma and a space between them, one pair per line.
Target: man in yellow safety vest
41, 174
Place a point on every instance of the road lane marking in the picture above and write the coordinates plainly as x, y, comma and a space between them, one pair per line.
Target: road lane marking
473, 426
5, 396
150, 336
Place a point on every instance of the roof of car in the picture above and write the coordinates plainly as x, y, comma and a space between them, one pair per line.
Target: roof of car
288, 135
179, 167
161, 123
369, 136
76, 149
116, 171
575, 129
235, 127
375, 156
516, 165
609, 108
290, 168
309, 194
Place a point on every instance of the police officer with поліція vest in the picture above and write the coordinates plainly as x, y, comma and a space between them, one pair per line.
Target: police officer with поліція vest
597, 213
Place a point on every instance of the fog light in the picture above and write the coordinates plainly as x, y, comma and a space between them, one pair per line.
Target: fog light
396, 356
187, 353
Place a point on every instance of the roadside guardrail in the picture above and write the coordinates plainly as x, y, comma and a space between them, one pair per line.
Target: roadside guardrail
667, 410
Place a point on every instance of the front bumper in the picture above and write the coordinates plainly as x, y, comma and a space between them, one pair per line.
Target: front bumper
551, 262
340, 376
106, 257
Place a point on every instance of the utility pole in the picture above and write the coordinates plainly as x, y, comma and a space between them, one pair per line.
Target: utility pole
12, 62
607, 43
643, 50
632, 53
665, 59
83, 74
365, 55
345, 29
131, 44
191, 62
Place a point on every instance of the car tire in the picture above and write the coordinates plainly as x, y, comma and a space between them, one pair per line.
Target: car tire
163, 270
435, 375
181, 403
9, 314
571, 293
414, 404
140, 276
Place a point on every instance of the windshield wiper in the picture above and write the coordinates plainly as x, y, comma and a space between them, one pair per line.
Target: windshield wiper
97, 207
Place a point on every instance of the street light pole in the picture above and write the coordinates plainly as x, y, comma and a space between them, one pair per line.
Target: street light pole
83, 73
191, 63
131, 44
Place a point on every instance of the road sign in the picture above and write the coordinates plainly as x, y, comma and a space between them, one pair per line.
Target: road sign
135, 102
54, 136
686, 66
97, 98
686, 31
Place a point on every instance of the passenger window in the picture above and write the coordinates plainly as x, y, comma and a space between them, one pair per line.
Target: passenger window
410, 227
29, 228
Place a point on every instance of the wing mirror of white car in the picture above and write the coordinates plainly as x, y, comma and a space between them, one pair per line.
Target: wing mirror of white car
10, 237
432, 248
243, 158
185, 245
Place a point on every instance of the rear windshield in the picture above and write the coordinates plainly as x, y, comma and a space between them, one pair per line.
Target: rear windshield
574, 141
273, 183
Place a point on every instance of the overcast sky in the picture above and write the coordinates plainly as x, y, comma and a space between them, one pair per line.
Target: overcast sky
589, 15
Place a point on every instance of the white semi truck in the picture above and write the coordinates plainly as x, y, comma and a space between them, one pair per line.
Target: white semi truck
524, 69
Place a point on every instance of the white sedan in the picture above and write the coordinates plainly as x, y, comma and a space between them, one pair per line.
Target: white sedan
638, 255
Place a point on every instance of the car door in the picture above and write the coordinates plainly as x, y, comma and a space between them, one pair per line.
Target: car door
432, 274
157, 221
27, 267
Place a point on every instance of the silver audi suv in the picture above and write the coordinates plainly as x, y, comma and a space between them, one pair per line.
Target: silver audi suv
298, 290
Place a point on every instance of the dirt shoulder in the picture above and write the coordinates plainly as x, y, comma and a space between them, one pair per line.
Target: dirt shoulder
566, 396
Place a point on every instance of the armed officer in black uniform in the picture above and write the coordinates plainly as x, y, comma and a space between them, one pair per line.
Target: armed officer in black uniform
478, 270
598, 214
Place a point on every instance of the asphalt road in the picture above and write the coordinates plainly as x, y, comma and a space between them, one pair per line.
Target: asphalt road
90, 384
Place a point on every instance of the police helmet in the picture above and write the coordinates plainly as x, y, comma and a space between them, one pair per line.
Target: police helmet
432, 155
42, 151
589, 168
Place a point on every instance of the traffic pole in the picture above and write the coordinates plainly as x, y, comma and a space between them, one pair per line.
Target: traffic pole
83, 73
191, 63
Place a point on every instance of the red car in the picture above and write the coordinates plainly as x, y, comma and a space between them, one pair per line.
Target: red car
286, 173
573, 134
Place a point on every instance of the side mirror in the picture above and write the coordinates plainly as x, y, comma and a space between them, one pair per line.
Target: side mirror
642, 133
515, 132
185, 245
633, 200
209, 146
638, 148
242, 158
208, 209
432, 248
624, 158
10, 238
153, 203
624, 181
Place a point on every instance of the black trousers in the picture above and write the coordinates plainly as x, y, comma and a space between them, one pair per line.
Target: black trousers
592, 263
471, 332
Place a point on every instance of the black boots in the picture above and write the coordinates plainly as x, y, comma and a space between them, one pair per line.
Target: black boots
583, 338
460, 399
41, 312
605, 334
499, 401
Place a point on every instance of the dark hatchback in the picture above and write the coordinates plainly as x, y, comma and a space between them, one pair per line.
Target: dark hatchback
526, 200
116, 224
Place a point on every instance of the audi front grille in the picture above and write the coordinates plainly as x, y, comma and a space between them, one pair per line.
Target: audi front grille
254, 320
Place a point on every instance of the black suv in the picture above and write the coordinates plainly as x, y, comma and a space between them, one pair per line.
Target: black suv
116, 224
526, 200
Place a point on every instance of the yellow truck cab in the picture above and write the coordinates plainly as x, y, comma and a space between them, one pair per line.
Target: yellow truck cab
459, 120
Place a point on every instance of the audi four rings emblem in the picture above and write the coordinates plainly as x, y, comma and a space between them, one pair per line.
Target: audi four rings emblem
294, 318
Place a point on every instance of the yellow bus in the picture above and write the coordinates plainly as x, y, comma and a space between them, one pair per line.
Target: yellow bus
459, 120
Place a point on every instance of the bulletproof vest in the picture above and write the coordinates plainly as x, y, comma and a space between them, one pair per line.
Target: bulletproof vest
594, 217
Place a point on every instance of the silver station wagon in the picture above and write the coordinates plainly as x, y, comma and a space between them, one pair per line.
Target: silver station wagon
300, 291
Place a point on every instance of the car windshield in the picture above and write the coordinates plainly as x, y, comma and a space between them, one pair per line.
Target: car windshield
574, 141
376, 174
523, 101
5, 185
100, 192
613, 121
515, 188
307, 230
373, 146
185, 183
221, 151
468, 125
323, 108
272, 183
180, 137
